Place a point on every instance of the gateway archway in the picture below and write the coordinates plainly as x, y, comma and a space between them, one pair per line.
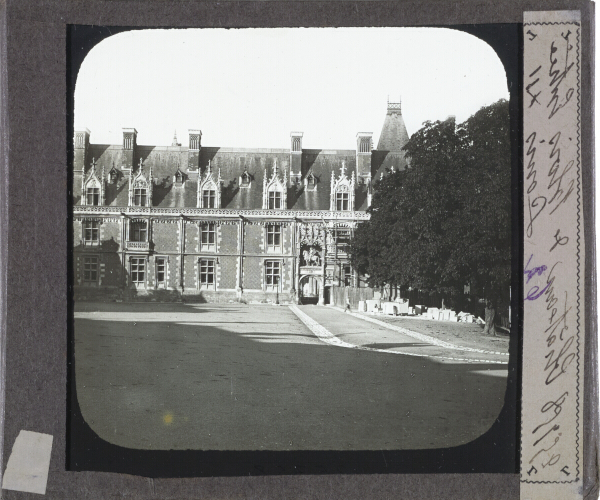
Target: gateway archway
310, 289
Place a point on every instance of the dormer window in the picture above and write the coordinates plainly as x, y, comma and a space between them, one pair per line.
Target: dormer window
245, 180
274, 200
140, 188
208, 198
92, 187
342, 201
342, 191
139, 197
311, 182
275, 190
209, 189
113, 175
178, 178
92, 196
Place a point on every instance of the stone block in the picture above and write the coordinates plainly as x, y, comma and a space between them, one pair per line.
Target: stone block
373, 305
390, 308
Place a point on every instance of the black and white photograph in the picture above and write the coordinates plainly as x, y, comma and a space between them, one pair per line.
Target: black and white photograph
295, 241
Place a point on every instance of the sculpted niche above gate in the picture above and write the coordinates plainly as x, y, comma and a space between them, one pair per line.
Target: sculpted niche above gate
311, 239
311, 256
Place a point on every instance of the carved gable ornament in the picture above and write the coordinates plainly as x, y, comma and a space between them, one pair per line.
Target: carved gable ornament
311, 234
91, 181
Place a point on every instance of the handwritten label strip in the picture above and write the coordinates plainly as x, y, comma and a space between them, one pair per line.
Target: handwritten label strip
553, 322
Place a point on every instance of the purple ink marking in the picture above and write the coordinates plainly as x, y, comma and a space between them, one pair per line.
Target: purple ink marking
532, 272
534, 292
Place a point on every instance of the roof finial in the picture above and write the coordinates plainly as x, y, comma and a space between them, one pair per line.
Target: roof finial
175, 143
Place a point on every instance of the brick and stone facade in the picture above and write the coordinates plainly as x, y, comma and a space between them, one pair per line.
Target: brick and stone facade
219, 224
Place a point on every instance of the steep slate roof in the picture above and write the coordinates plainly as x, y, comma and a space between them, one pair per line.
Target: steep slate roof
393, 134
232, 162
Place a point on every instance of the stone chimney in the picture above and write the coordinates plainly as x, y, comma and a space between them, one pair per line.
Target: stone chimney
81, 148
129, 147
194, 145
296, 157
364, 145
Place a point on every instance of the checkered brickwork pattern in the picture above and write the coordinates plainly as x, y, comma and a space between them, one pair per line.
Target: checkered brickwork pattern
252, 273
227, 269
227, 238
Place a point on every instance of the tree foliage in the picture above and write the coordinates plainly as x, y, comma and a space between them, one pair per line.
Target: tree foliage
445, 221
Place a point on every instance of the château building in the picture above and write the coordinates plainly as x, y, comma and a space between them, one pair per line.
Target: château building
222, 223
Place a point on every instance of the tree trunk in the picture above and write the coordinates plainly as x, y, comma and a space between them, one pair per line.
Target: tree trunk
490, 315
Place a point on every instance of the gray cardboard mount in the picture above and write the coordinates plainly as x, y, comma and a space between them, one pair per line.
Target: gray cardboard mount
33, 235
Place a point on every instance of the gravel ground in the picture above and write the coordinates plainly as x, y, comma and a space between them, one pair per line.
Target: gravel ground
461, 334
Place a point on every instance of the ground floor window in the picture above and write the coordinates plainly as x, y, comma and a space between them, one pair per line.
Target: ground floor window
272, 275
138, 270
90, 270
207, 274
161, 268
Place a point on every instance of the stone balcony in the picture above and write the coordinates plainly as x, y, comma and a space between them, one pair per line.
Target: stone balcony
90, 243
140, 246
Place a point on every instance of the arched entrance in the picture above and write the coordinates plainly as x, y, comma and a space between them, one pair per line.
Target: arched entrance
309, 289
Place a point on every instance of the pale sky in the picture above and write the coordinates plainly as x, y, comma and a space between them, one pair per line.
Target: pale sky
252, 87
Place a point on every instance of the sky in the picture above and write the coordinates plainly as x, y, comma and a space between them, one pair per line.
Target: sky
250, 88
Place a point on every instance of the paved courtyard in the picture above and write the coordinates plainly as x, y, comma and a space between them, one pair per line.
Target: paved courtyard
263, 377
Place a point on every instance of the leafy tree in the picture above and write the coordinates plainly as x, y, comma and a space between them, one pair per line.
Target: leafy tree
445, 221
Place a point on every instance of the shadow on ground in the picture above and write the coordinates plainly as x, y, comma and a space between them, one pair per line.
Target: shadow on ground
236, 377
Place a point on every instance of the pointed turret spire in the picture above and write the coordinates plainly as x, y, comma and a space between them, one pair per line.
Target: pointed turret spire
175, 143
392, 140
393, 135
